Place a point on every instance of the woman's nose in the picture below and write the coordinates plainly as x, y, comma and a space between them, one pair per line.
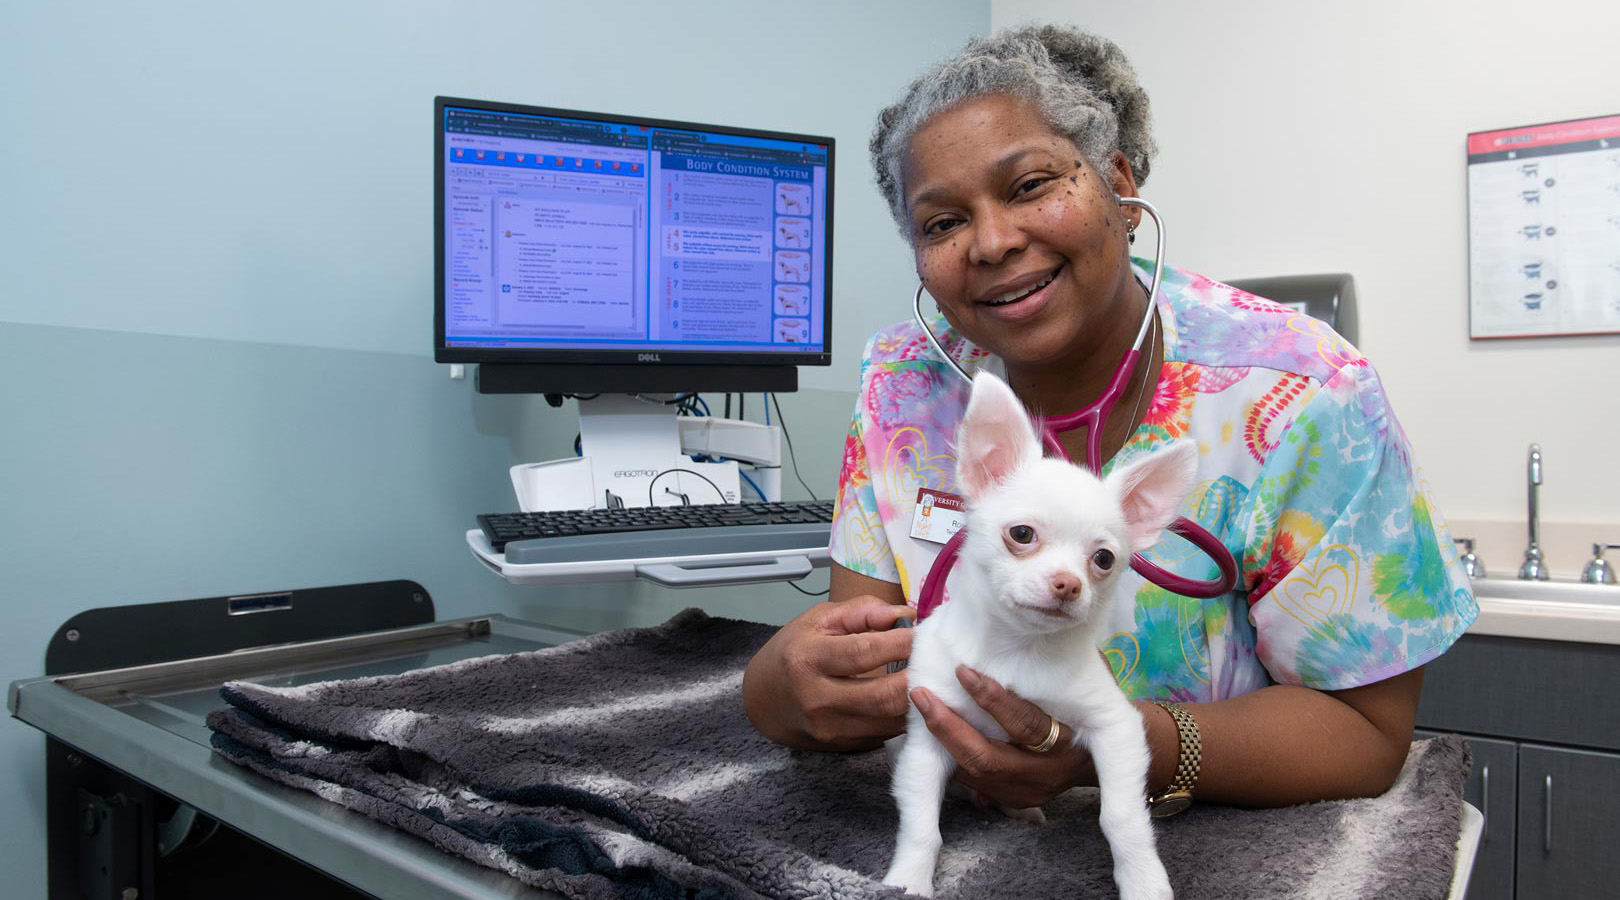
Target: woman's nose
996, 236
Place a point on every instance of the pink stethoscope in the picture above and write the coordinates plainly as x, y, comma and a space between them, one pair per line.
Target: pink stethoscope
1092, 418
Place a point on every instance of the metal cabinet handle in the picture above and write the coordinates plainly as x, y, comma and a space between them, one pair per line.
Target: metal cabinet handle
1485, 794
1546, 818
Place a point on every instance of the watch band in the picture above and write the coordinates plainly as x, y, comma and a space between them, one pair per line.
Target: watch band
1178, 796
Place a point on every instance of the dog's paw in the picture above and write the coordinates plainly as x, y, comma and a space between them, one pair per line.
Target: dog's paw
917, 883
1147, 885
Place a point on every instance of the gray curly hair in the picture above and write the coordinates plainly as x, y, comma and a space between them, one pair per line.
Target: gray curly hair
1082, 84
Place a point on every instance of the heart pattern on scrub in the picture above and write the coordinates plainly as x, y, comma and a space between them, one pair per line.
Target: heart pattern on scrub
1312, 593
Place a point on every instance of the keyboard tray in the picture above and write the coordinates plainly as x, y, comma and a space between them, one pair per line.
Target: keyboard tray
675, 542
690, 557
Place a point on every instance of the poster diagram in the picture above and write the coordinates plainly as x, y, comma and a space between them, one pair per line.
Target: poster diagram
1544, 229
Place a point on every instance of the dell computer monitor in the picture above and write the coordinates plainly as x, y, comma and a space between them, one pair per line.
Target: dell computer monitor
584, 253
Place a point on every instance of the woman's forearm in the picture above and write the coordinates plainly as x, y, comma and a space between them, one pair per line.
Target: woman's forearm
1283, 745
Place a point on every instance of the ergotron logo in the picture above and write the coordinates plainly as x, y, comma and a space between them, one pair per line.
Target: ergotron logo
635, 473
647, 357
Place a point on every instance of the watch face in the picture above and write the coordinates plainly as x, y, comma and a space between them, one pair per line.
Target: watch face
1170, 804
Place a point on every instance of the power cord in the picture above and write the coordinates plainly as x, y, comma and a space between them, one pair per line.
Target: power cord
555, 400
782, 423
744, 476
676, 401
651, 502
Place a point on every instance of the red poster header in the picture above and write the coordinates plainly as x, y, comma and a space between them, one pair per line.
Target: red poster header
1572, 132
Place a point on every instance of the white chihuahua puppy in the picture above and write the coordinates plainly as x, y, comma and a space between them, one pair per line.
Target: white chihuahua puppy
1046, 544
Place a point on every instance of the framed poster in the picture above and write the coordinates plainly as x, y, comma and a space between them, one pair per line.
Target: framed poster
1544, 230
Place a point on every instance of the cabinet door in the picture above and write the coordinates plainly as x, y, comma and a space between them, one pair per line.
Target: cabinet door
1567, 825
1491, 788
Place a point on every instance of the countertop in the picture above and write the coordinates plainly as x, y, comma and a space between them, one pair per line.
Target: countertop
1548, 610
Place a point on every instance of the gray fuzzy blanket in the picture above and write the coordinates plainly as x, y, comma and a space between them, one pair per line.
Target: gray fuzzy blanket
622, 765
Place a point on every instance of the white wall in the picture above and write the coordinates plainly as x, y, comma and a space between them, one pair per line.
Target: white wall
1311, 137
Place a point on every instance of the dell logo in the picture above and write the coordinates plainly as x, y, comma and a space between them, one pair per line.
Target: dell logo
647, 357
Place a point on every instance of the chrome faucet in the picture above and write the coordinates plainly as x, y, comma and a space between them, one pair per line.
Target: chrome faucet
1599, 570
1472, 564
1534, 569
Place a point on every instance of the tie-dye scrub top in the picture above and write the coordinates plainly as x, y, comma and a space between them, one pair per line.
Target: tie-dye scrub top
1347, 575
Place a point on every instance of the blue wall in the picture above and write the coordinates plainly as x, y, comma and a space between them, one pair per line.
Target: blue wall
215, 373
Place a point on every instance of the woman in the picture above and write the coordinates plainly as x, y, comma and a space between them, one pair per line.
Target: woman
1003, 167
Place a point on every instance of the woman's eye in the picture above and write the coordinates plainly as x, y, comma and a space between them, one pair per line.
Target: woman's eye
938, 227
1103, 559
1021, 534
1030, 184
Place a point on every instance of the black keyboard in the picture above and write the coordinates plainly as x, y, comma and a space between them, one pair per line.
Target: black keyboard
501, 528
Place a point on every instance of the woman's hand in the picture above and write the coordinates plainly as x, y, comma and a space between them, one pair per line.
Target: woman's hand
813, 685
999, 771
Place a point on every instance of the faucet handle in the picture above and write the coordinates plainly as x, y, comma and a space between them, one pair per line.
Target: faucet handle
1599, 570
1472, 564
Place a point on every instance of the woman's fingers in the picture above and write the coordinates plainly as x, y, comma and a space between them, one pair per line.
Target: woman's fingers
862, 614
1024, 722
845, 655
1012, 776
974, 753
851, 713
855, 637
882, 696
806, 686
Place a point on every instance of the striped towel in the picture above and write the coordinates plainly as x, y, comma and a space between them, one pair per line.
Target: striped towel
622, 765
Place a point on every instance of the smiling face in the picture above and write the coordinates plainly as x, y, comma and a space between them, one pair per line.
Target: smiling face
1017, 238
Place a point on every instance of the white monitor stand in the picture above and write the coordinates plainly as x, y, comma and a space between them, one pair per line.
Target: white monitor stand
634, 451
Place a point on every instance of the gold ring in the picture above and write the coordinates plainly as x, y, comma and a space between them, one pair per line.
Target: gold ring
1049, 743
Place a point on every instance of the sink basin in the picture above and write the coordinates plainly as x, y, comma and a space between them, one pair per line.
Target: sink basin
1546, 591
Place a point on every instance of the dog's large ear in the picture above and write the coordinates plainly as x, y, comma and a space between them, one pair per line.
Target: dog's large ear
1152, 489
996, 437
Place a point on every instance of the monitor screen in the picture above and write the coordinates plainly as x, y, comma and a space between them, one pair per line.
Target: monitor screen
582, 238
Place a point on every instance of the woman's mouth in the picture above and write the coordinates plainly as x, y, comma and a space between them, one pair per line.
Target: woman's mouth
1023, 294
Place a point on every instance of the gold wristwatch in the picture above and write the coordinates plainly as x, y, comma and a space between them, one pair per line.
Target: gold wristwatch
1178, 796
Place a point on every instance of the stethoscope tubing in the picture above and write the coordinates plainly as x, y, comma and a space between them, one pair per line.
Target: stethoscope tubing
1092, 417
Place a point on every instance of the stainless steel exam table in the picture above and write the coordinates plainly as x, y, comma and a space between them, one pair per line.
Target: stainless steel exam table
134, 790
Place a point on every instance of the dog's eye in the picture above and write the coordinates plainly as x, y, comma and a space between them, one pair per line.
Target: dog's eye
1103, 559
1021, 534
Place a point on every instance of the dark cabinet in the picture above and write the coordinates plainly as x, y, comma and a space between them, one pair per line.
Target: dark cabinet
1493, 790
1551, 828
1567, 823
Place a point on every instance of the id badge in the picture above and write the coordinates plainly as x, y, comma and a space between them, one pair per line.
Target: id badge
937, 516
